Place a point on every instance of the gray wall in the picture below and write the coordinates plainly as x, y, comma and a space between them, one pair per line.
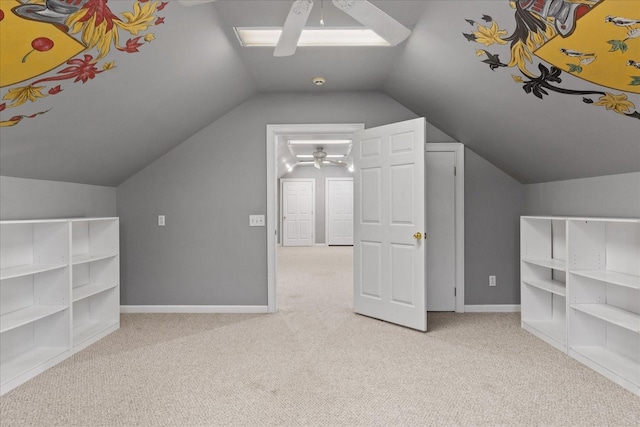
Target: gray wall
319, 176
493, 203
22, 198
609, 196
207, 187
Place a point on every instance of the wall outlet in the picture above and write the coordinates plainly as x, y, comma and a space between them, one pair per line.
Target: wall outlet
256, 220
161, 220
492, 280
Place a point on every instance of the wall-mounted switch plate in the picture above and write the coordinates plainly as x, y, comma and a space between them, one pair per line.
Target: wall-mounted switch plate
161, 220
492, 280
256, 220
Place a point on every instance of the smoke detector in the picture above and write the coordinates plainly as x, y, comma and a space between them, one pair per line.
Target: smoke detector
318, 81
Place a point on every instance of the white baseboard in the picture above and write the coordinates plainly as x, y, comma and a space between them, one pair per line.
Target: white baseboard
492, 308
320, 244
193, 309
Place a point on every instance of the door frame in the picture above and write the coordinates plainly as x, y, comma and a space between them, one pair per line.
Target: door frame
326, 203
458, 149
273, 131
313, 206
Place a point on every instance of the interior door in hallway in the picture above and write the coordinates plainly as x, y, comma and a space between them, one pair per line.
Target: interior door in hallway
389, 225
298, 202
441, 262
339, 207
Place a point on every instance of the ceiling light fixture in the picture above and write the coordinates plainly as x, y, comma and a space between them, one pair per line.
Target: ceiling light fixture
312, 36
318, 81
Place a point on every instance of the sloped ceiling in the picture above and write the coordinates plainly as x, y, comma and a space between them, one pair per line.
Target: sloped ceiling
193, 71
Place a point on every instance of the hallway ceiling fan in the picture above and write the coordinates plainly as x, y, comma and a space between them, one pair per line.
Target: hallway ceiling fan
320, 157
361, 10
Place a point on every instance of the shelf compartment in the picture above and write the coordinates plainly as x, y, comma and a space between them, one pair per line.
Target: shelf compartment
28, 315
616, 316
27, 361
620, 365
548, 285
85, 258
552, 263
88, 330
27, 270
612, 277
554, 329
86, 291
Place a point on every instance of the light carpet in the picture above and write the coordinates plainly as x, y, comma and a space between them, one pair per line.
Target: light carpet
316, 363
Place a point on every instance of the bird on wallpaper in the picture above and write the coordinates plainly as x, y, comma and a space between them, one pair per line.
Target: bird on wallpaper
622, 22
633, 63
576, 54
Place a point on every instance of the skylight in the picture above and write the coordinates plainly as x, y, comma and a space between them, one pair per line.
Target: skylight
311, 36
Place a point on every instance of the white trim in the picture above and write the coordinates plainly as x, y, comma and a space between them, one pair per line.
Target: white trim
313, 206
326, 203
320, 244
492, 308
272, 184
194, 309
458, 149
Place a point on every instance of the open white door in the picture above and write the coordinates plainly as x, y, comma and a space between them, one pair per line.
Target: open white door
389, 224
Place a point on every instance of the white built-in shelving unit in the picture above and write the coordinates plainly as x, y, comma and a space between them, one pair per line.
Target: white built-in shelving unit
543, 285
601, 327
59, 292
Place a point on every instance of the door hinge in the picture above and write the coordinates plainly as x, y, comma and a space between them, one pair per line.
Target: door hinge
455, 292
455, 172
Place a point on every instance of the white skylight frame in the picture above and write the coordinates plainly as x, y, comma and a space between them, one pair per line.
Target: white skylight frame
318, 142
311, 36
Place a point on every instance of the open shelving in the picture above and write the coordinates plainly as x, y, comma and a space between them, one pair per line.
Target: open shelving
59, 282
604, 303
543, 289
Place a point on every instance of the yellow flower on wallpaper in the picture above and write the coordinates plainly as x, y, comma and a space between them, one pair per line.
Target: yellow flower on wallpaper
489, 36
109, 65
20, 95
140, 19
517, 79
149, 37
618, 103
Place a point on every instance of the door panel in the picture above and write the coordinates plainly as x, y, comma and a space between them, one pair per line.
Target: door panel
441, 268
298, 205
339, 208
389, 263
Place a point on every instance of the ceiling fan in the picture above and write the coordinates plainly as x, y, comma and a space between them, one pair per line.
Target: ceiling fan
320, 157
360, 10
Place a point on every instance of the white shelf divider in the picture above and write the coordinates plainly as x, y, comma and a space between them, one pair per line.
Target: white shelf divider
613, 277
21, 363
548, 285
27, 270
89, 290
84, 258
28, 315
552, 263
614, 315
612, 361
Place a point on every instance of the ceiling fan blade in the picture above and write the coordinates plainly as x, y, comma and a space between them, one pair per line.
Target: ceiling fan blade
293, 26
193, 2
372, 17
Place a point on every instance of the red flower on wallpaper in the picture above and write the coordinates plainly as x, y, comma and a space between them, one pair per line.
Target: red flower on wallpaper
162, 5
132, 45
55, 90
82, 70
101, 12
159, 21
3, 106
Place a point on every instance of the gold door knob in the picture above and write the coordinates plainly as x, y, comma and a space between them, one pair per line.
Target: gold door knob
417, 235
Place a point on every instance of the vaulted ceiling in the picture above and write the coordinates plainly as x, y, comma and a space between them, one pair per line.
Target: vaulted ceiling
177, 69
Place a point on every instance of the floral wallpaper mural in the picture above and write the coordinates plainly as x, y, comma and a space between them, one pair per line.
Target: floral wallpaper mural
595, 40
49, 44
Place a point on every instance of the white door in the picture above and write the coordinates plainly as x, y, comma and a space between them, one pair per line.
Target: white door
389, 250
441, 214
297, 212
339, 207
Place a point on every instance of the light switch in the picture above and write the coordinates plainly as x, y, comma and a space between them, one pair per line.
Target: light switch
161, 220
256, 220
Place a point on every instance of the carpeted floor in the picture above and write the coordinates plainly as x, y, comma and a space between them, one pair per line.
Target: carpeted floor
315, 363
